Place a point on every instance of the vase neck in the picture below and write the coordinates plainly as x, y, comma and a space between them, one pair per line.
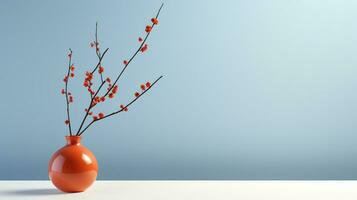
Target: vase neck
73, 140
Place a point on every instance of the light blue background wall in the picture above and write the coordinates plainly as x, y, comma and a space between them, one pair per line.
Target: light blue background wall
252, 89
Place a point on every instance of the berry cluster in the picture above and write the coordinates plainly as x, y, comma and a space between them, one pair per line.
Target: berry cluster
143, 87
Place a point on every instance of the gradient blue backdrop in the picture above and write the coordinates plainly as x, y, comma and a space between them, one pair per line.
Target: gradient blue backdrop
251, 89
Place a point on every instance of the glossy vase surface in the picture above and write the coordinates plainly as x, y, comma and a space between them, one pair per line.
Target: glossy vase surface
73, 168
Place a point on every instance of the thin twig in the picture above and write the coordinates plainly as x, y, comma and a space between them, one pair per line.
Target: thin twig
121, 110
100, 61
66, 92
97, 50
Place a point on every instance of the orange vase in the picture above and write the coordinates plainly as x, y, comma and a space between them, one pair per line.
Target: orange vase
73, 168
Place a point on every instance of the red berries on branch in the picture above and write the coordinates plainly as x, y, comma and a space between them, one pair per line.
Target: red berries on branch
123, 108
89, 76
89, 113
115, 89
88, 82
100, 116
111, 88
96, 100
143, 87
71, 68
148, 28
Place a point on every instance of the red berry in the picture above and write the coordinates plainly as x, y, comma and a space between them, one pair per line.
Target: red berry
72, 75
62, 91
148, 84
125, 62
111, 95
142, 86
66, 122
101, 69
108, 80
72, 68
123, 108
89, 76
101, 115
95, 118
137, 94
148, 28
115, 89
140, 39
154, 21
102, 99
144, 48
97, 99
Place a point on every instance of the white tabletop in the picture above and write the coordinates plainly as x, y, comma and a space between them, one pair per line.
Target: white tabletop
186, 190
